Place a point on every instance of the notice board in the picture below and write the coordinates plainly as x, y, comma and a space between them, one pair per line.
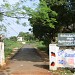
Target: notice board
66, 39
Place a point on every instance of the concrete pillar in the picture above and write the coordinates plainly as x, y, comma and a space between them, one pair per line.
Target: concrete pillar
53, 49
2, 56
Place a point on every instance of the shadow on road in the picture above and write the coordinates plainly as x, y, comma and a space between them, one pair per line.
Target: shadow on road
42, 66
27, 54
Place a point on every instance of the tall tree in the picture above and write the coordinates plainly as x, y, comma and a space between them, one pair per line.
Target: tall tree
43, 21
52, 17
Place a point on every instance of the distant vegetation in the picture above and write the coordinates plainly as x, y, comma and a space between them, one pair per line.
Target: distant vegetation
13, 38
27, 36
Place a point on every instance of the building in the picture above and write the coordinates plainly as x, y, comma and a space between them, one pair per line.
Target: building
19, 38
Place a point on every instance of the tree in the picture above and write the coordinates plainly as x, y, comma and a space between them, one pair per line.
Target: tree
43, 21
13, 38
50, 18
65, 17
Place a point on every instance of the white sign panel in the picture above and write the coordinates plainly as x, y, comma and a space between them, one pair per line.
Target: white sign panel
60, 58
66, 58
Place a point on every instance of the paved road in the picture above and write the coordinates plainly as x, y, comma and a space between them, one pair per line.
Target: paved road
27, 62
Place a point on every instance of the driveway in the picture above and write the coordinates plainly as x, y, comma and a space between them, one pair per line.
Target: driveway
27, 62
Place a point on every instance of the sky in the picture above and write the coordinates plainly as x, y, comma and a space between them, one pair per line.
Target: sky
14, 28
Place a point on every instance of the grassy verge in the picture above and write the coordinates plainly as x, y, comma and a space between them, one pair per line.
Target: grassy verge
9, 45
41, 46
62, 71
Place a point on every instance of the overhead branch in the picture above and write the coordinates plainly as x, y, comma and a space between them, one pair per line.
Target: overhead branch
18, 17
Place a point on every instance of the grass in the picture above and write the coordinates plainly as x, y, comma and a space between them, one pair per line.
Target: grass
62, 71
41, 46
9, 45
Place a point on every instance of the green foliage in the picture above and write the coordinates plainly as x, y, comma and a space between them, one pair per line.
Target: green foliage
50, 18
13, 38
9, 45
7, 5
26, 36
44, 21
1, 16
42, 13
9, 14
2, 28
41, 46
65, 12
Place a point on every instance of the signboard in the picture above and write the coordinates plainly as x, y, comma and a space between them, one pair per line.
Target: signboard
66, 39
61, 58
66, 58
